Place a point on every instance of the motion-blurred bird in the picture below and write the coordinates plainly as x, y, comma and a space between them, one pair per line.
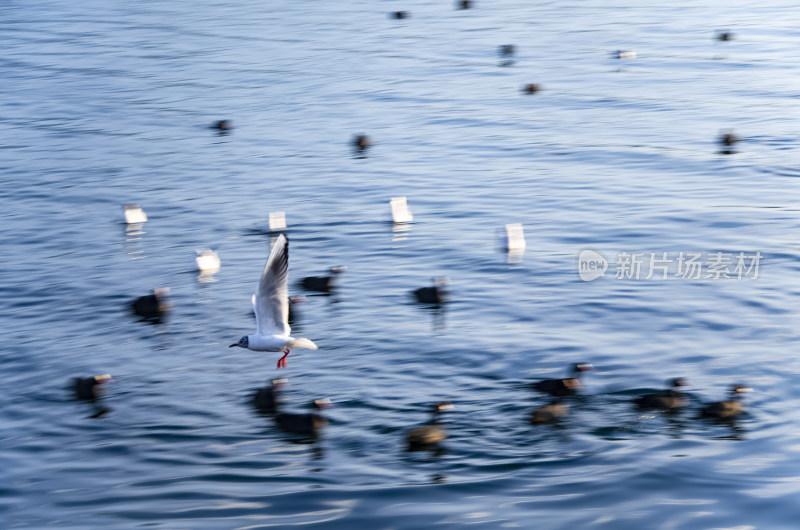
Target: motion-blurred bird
512, 238
223, 126
152, 306
267, 399
435, 294
432, 433
531, 88
567, 386
507, 50
293, 311
304, 424
727, 138
134, 214
322, 284
624, 54
90, 388
271, 306
401, 213
670, 399
361, 143
207, 260
399, 15
550, 413
727, 409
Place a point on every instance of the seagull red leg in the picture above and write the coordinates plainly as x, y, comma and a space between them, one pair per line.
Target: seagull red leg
282, 360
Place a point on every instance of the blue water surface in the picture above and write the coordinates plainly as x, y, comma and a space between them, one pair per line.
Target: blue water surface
107, 103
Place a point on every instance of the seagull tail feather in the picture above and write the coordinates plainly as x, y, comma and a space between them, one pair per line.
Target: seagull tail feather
302, 343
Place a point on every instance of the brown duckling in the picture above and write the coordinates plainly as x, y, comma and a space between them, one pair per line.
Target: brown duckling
90, 388
429, 435
727, 409
671, 399
550, 413
567, 386
304, 424
267, 399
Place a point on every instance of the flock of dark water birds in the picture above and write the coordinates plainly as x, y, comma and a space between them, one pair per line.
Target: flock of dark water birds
670, 400
273, 310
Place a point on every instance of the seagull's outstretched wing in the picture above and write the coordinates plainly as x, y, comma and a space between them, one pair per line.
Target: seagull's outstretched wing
271, 301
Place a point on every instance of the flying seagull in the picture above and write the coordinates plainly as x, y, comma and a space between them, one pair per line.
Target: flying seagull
271, 305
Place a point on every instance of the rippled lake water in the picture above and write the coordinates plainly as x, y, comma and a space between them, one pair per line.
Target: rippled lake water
106, 103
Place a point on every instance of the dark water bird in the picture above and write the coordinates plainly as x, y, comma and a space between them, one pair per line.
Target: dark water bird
727, 409
293, 312
271, 306
152, 307
322, 284
361, 143
430, 434
566, 386
507, 50
435, 294
550, 413
223, 126
725, 35
727, 141
531, 88
399, 15
267, 399
670, 399
464, 4
728, 138
304, 424
90, 388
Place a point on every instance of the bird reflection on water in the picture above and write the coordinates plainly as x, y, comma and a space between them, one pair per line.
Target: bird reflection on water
267, 400
400, 233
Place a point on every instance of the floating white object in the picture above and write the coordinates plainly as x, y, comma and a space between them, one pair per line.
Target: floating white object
134, 214
625, 54
277, 220
514, 238
400, 211
207, 260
